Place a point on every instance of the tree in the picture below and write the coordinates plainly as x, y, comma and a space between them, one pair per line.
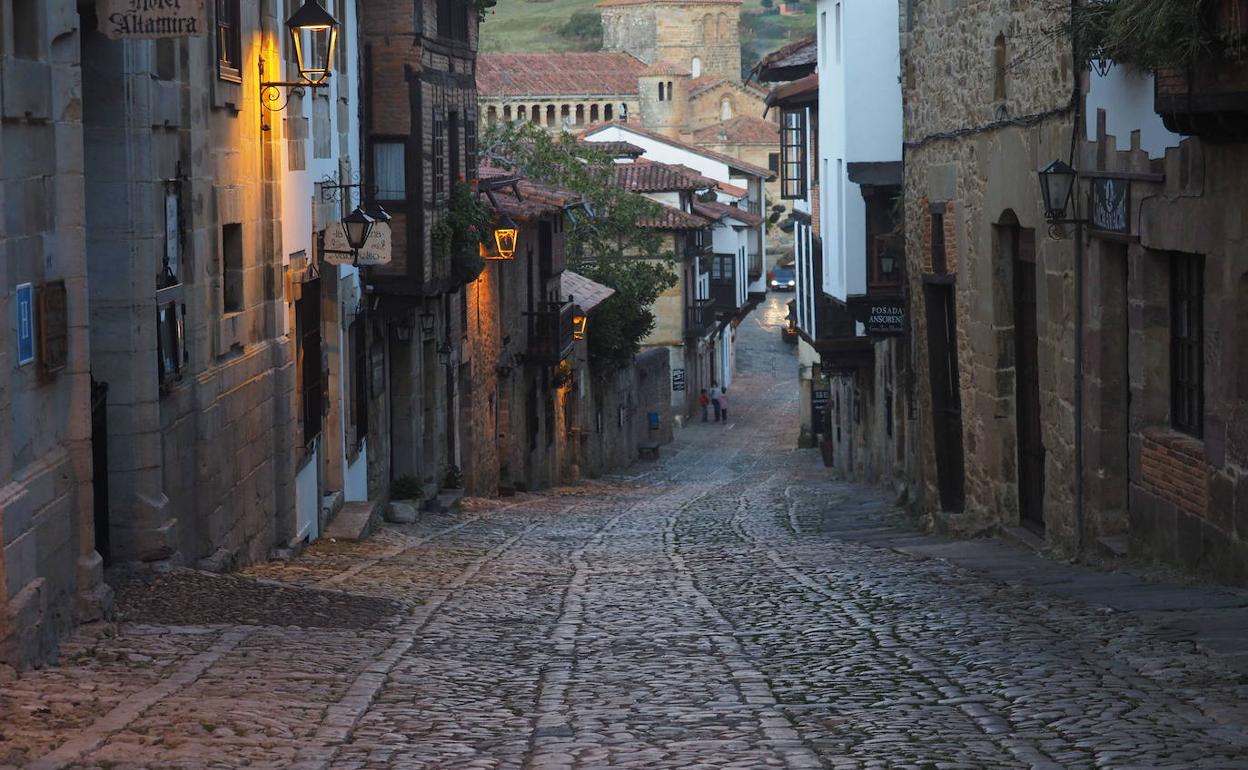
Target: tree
611, 248
583, 30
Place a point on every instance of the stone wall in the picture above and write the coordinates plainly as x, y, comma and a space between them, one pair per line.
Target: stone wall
970, 65
674, 31
50, 573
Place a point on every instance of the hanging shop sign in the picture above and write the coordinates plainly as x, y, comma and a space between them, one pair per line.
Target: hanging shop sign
376, 251
1111, 205
886, 318
126, 19
819, 398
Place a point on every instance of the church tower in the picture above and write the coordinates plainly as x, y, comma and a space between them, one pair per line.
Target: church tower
702, 36
663, 93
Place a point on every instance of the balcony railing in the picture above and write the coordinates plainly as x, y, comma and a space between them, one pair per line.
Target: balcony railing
1209, 98
699, 317
724, 295
550, 334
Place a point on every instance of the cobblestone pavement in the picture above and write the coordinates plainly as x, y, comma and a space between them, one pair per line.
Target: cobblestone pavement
689, 613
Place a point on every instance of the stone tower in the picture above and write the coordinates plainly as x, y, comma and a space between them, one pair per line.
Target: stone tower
700, 35
663, 91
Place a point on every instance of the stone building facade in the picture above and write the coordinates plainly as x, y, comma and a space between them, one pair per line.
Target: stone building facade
420, 139
990, 293
701, 35
50, 571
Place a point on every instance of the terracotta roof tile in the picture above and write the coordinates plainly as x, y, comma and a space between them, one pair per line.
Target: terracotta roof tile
789, 62
608, 3
707, 82
801, 91
733, 190
618, 149
665, 68
643, 176
557, 74
585, 292
715, 210
672, 218
743, 129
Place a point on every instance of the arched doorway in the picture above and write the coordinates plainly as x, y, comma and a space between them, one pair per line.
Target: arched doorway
1016, 255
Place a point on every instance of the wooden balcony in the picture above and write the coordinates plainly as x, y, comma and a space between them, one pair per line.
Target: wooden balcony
1210, 98
699, 317
550, 334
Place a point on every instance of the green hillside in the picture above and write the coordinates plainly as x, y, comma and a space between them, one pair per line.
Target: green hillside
533, 26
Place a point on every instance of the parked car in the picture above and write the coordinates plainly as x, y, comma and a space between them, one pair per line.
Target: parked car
783, 278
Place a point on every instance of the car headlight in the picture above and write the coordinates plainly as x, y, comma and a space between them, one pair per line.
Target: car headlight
792, 283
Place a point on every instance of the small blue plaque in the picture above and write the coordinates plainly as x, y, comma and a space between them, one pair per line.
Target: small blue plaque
25, 324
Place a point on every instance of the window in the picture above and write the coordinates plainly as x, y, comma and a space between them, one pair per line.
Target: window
390, 169
231, 268
308, 336
725, 109
170, 340
773, 162
660, 91
837, 33
452, 128
695, 67
439, 156
357, 334
939, 261
229, 40
1187, 299
998, 69
453, 19
722, 267
27, 31
793, 154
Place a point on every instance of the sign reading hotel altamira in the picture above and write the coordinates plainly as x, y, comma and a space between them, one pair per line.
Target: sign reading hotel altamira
121, 19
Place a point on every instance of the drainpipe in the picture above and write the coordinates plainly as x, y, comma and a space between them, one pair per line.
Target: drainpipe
1079, 268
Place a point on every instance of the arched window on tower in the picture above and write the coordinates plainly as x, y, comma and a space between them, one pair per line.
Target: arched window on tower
708, 28
660, 90
550, 115
999, 56
608, 112
593, 114
669, 90
725, 109
580, 114
695, 66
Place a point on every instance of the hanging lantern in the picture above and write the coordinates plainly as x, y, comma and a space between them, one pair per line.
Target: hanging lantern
580, 322
506, 233
315, 61
1057, 185
356, 226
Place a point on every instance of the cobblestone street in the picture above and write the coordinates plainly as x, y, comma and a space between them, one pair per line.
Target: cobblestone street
696, 612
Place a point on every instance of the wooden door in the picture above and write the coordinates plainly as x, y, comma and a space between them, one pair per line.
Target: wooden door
1027, 382
942, 350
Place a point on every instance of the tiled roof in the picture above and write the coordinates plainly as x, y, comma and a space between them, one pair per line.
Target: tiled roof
707, 82
643, 176
794, 60
731, 162
587, 293
798, 92
672, 218
665, 68
618, 149
715, 210
557, 74
535, 199
743, 129
607, 3
733, 190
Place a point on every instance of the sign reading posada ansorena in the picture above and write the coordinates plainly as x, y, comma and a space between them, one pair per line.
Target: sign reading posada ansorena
122, 19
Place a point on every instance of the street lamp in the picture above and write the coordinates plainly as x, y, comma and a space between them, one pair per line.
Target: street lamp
506, 232
426, 323
580, 323
1057, 187
315, 62
357, 226
888, 263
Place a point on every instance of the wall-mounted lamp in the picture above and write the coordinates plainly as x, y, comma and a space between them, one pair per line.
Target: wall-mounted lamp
444, 353
506, 234
403, 330
888, 263
580, 323
427, 319
1057, 187
357, 226
315, 61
